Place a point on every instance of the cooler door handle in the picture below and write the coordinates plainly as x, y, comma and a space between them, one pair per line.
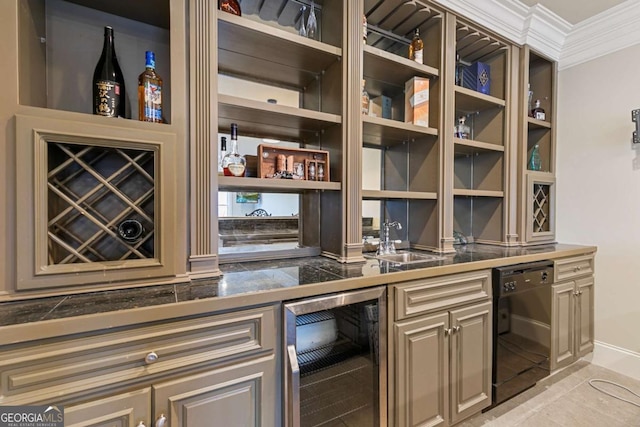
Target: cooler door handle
294, 387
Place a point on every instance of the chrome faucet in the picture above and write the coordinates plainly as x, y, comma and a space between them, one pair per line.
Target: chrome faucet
387, 245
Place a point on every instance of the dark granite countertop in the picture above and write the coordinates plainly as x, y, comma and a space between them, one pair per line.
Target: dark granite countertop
261, 282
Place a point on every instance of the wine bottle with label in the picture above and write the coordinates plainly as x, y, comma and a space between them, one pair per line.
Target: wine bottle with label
150, 92
234, 163
109, 95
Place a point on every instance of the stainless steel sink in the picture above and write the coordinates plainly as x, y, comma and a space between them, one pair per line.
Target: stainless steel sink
407, 257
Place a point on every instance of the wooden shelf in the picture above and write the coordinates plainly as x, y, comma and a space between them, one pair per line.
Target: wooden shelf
261, 119
391, 194
379, 131
470, 147
393, 69
537, 124
477, 193
150, 12
471, 101
254, 50
228, 183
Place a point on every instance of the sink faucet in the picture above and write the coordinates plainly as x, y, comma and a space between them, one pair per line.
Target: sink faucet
387, 245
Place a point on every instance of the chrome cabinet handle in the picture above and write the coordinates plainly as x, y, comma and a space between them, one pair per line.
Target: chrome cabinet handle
161, 421
294, 386
447, 332
141, 424
456, 329
151, 358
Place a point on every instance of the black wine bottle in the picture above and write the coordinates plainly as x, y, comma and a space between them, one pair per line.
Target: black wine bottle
109, 96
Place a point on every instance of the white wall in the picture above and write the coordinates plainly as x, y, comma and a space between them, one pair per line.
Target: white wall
598, 189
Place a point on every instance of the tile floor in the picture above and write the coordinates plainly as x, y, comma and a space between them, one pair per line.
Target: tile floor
566, 399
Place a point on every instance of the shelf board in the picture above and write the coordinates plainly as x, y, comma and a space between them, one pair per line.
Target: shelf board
391, 194
391, 68
230, 183
261, 119
477, 193
379, 131
470, 146
537, 124
255, 50
470, 101
150, 12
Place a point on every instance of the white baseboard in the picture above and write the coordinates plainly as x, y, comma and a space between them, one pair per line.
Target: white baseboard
532, 329
616, 359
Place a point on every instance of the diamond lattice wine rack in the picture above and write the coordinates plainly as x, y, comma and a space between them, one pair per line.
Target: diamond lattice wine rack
541, 195
101, 203
96, 202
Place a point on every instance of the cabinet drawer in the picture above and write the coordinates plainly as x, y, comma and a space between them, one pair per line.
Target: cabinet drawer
42, 370
570, 268
423, 296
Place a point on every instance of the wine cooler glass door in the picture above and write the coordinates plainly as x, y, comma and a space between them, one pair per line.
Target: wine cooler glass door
334, 371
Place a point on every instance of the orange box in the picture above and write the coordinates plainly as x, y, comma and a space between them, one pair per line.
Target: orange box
416, 101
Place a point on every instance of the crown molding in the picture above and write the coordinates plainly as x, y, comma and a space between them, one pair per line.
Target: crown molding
612, 30
550, 35
545, 32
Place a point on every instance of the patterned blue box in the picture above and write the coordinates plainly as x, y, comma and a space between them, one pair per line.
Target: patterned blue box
477, 77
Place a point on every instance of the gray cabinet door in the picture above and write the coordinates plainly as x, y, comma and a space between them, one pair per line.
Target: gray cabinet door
584, 316
422, 371
242, 394
122, 410
562, 325
470, 360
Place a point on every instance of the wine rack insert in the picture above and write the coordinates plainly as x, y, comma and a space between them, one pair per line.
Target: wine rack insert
94, 207
540, 207
101, 203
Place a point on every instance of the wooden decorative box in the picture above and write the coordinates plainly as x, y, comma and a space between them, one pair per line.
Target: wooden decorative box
292, 163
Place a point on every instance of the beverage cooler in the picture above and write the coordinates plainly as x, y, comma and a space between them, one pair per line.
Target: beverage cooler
335, 356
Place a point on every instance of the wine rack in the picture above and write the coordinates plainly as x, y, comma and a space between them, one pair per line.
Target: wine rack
98, 196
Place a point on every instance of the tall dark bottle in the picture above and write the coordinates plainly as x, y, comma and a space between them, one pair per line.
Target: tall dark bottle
109, 96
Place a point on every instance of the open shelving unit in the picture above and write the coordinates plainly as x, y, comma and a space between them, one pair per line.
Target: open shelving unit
408, 154
263, 46
480, 161
537, 189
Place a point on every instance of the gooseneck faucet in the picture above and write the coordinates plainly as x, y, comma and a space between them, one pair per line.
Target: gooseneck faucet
387, 246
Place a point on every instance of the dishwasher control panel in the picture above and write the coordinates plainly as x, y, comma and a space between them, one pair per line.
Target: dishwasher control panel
521, 277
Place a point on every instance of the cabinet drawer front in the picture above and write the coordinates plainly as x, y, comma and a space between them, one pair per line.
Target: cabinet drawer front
570, 268
36, 372
428, 295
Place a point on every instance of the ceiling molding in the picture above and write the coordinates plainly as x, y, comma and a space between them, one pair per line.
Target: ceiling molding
552, 36
612, 30
545, 31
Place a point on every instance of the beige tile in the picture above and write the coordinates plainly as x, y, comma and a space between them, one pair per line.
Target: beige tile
566, 399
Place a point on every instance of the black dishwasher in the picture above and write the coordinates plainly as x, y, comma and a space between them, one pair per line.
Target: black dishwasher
521, 327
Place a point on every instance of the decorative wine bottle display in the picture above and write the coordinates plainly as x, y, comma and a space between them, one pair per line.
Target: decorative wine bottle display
109, 95
234, 164
231, 6
150, 92
416, 48
535, 162
538, 112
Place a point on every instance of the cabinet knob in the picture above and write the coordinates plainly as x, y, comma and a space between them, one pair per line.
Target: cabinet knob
151, 358
161, 421
141, 424
447, 332
456, 329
